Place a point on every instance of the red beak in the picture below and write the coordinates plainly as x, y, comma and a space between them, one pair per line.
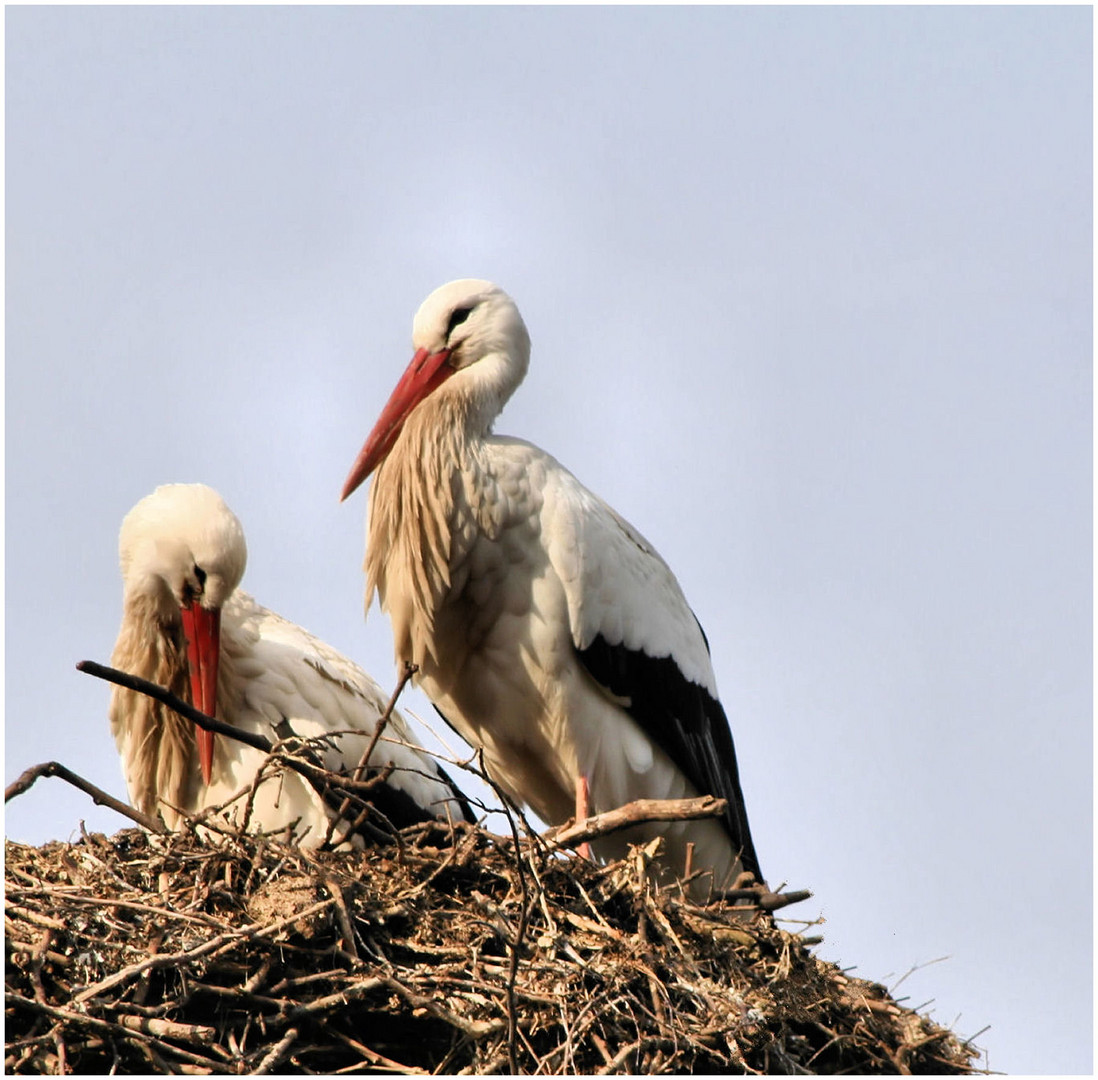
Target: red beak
425, 374
203, 629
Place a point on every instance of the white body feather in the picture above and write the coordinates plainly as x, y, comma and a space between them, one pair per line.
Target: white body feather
496, 566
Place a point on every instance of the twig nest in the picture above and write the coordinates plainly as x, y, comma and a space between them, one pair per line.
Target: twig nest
142, 953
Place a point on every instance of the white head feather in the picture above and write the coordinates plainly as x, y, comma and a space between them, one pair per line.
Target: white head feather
488, 342
179, 543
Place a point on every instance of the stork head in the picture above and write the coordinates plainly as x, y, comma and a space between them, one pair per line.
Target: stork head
182, 554
470, 329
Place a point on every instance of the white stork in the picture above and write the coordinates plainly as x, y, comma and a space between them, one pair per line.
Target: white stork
546, 629
187, 627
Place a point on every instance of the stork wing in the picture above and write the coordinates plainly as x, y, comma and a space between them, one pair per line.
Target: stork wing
319, 690
637, 637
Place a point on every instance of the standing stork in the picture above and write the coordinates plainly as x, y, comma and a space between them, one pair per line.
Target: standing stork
547, 631
187, 627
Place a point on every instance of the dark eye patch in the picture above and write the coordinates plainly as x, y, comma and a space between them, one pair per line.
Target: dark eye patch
457, 317
190, 592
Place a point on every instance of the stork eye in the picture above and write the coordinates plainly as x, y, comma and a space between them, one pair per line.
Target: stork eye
457, 317
191, 592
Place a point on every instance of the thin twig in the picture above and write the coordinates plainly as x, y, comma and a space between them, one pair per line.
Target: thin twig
516, 950
356, 777
54, 768
112, 902
328, 785
317, 776
206, 948
133, 1025
520, 930
409, 670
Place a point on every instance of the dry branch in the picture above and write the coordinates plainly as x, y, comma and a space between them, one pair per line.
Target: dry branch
176, 704
405, 677
635, 813
356, 777
339, 792
27, 778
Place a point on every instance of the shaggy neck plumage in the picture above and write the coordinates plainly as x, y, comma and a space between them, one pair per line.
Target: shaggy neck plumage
159, 752
158, 746
425, 510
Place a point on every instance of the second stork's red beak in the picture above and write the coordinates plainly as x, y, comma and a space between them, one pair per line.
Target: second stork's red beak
203, 629
425, 374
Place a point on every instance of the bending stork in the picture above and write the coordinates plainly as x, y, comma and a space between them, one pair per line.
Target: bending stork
187, 627
546, 629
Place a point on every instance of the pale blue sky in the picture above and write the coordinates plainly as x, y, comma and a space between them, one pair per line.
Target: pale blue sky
810, 298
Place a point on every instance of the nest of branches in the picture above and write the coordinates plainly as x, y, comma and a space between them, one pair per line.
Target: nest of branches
446, 949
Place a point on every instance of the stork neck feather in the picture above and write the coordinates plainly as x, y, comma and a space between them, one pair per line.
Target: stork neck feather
426, 499
424, 509
157, 745
476, 394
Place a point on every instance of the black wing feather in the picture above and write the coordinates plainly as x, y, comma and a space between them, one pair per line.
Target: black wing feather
684, 720
403, 810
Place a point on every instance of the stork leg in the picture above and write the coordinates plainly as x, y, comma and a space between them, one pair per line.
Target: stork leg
583, 802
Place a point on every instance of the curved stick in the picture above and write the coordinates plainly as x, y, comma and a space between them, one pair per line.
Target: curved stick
99, 796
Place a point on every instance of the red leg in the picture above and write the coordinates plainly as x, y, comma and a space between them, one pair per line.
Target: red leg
583, 802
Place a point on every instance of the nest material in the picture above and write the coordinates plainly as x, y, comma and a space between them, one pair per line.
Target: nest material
143, 953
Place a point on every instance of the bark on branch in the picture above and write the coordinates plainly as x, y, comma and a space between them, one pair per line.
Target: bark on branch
54, 768
334, 789
315, 774
166, 697
761, 897
635, 813
644, 810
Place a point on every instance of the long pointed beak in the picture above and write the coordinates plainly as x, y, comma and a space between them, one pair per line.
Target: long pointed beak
203, 629
425, 374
